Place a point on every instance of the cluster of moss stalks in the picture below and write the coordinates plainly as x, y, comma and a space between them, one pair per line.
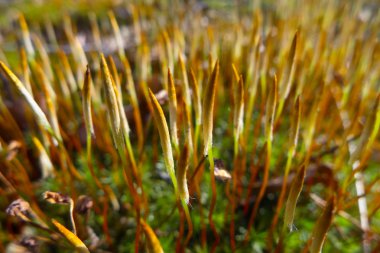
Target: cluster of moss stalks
195, 126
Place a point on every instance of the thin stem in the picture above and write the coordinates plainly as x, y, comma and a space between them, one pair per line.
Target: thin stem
135, 199
262, 189
189, 223
213, 199
72, 216
281, 197
136, 174
89, 163
196, 170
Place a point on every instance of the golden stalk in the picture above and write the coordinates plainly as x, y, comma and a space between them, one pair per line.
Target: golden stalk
369, 132
295, 126
153, 244
238, 111
26, 71
117, 33
172, 110
208, 109
50, 97
183, 164
26, 37
95, 31
287, 76
44, 57
58, 198
40, 115
197, 98
186, 93
117, 88
186, 90
71, 237
68, 71
270, 111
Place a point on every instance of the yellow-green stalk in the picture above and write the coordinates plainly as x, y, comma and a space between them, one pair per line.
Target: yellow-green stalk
252, 83
183, 164
118, 93
293, 140
172, 110
112, 105
163, 131
294, 193
208, 109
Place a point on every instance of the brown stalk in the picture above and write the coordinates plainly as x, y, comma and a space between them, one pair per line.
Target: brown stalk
135, 104
293, 140
269, 121
183, 164
87, 114
287, 76
321, 227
